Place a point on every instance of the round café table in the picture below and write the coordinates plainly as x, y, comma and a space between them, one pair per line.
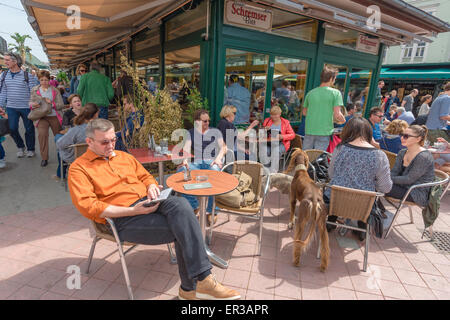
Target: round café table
221, 183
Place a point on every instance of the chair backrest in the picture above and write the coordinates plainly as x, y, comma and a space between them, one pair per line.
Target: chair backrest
351, 203
313, 154
392, 157
79, 149
445, 180
255, 170
297, 142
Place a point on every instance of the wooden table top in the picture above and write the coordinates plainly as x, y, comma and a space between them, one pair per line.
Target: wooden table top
145, 155
221, 182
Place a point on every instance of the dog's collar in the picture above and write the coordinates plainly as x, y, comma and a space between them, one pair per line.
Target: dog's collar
300, 167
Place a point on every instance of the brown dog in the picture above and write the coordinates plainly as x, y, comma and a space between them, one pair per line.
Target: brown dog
312, 210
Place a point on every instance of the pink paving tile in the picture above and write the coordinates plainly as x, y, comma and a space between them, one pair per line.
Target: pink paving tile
244, 249
311, 291
368, 296
136, 275
257, 295
383, 273
236, 278
155, 281
92, 289
51, 227
437, 258
143, 259
7, 288
282, 298
288, 288
313, 275
444, 269
339, 280
246, 237
425, 267
67, 259
436, 282
365, 284
263, 266
164, 296
27, 293
378, 258
268, 252
393, 289
398, 261
415, 255
441, 295
419, 293
241, 263
341, 294
163, 264
262, 283
142, 294
410, 278
218, 272
287, 271
109, 271
115, 292
47, 279
53, 296
173, 286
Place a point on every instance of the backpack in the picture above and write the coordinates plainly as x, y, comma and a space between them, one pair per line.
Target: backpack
2, 81
242, 196
321, 166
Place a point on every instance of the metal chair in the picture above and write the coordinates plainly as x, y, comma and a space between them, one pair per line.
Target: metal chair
353, 204
392, 157
102, 232
79, 149
398, 204
296, 143
255, 212
313, 154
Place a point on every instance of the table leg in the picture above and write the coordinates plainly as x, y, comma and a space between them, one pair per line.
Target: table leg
161, 173
212, 256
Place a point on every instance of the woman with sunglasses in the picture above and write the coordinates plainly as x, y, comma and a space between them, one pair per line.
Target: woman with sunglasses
414, 165
81, 69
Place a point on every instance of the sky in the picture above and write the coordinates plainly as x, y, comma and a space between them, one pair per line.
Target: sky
14, 19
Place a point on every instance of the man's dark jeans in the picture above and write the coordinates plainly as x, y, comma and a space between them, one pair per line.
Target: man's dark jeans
13, 120
173, 221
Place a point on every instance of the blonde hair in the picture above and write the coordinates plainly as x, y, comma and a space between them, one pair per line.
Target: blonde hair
275, 110
81, 65
396, 127
227, 110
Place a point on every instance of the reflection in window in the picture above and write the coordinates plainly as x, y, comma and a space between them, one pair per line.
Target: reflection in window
340, 37
359, 88
288, 87
295, 26
245, 84
191, 20
182, 72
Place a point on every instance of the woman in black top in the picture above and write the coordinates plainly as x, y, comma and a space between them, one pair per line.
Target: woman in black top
75, 109
229, 132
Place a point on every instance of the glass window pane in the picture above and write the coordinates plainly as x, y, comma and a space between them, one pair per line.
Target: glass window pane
359, 88
295, 26
191, 20
146, 55
289, 82
344, 38
245, 84
182, 65
341, 78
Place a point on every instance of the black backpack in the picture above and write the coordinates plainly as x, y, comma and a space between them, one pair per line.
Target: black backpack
321, 166
2, 80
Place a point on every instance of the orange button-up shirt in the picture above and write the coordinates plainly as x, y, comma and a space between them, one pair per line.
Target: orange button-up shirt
95, 183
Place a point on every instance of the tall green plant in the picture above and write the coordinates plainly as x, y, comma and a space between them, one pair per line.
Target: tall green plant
20, 46
195, 102
61, 77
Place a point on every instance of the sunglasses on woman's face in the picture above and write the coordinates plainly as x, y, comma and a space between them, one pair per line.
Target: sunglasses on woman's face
407, 136
206, 121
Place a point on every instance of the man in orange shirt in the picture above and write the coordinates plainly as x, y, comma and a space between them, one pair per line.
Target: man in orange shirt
105, 183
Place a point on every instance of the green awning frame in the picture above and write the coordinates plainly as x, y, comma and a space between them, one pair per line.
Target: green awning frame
438, 73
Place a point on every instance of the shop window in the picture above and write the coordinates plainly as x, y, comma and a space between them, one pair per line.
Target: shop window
191, 20
146, 56
359, 88
288, 86
245, 84
341, 78
295, 26
182, 72
340, 37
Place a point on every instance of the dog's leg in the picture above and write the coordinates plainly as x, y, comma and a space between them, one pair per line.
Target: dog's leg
293, 201
324, 243
299, 245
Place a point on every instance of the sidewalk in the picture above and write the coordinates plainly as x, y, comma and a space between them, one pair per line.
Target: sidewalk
41, 234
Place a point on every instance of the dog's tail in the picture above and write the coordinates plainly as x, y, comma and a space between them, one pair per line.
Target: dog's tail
313, 210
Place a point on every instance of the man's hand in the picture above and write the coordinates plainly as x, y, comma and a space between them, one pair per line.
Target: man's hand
153, 191
140, 209
254, 123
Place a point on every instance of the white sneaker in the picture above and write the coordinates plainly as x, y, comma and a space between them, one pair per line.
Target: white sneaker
2, 163
21, 153
30, 154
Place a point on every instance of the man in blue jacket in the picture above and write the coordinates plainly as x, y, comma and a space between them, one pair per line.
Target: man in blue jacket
15, 88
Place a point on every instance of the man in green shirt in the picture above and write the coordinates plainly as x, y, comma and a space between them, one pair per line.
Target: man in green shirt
322, 106
96, 88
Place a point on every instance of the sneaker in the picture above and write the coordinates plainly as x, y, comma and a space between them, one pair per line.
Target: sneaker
2, 163
211, 289
186, 295
21, 153
30, 154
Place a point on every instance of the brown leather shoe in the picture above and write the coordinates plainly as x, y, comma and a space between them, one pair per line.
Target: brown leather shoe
186, 295
211, 289
209, 219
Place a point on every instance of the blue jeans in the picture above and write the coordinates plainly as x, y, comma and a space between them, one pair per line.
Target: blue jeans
201, 165
2, 152
13, 120
103, 114
173, 221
